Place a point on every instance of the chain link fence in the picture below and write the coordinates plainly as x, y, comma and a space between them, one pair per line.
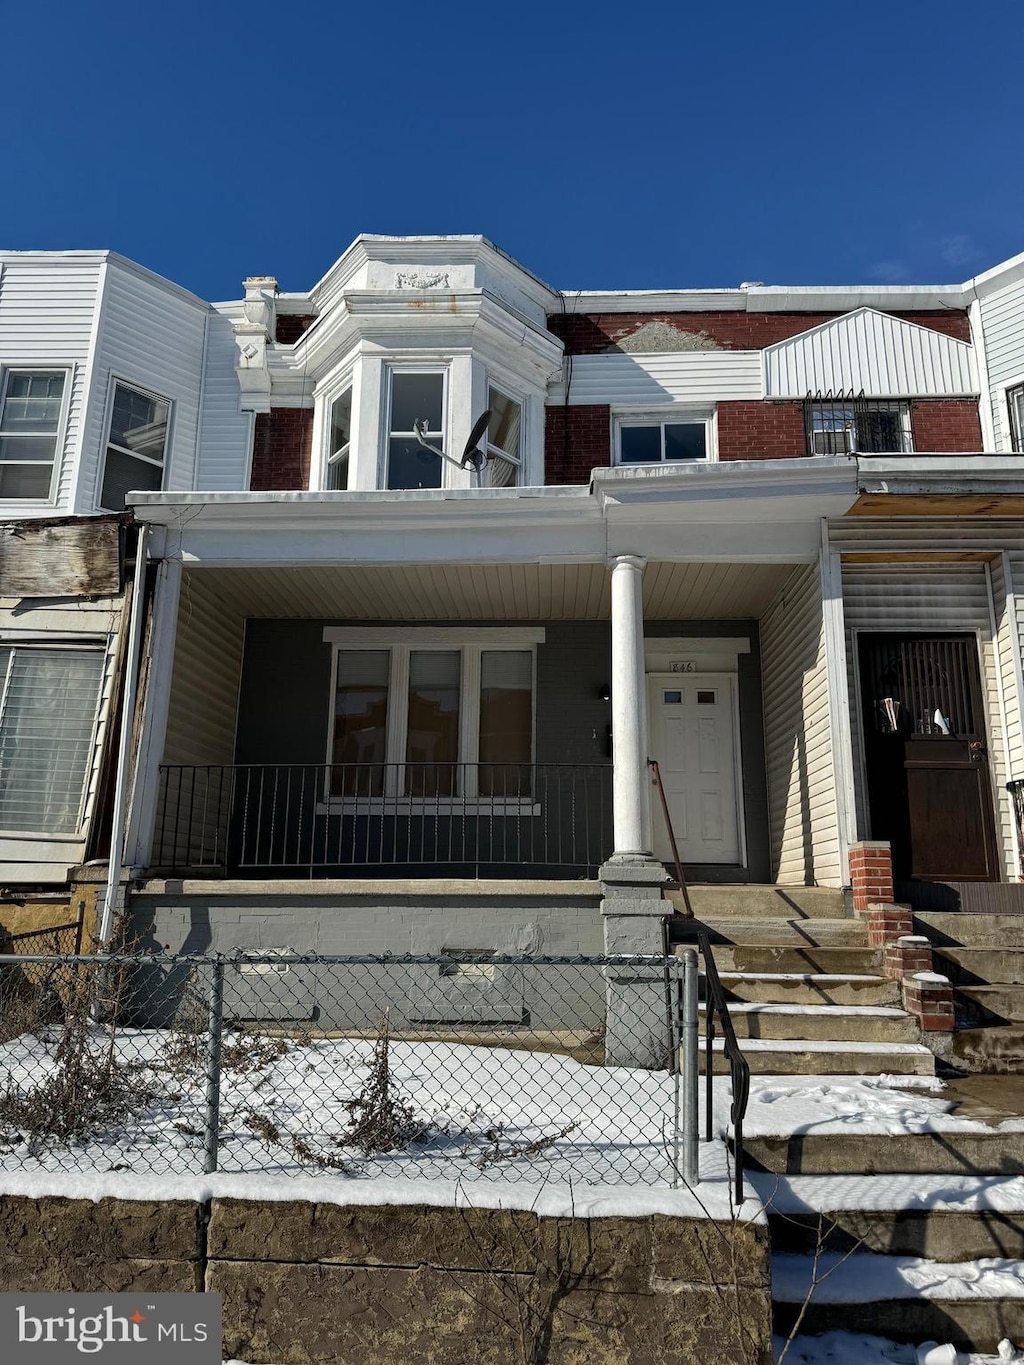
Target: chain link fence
466, 1067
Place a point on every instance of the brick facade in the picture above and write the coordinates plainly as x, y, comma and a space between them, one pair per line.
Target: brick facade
577, 439
290, 326
281, 450
757, 430
593, 333
871, 874
945, 425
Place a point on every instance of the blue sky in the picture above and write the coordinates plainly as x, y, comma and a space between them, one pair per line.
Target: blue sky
603, 145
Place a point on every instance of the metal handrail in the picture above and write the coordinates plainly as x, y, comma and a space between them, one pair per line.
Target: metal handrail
715, 1003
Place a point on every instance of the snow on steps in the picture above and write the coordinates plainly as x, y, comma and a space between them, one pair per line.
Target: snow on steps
822, 1023
803, 1057
973, 1304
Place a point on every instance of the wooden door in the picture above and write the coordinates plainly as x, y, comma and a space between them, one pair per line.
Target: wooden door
929, 788
692, 735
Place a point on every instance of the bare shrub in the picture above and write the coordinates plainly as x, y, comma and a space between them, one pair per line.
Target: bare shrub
273, 1137
379, 1119
495, 1152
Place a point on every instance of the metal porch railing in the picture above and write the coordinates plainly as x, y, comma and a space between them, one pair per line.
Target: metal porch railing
332, 819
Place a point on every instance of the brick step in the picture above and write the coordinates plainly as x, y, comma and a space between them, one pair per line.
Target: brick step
823, 1023
811, 988
900, 1297
754, 900
979, 966
945, 1152
800, 1057
776, 958
971, 931
832, 933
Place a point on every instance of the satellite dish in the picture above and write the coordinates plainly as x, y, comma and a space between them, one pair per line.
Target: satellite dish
472, 457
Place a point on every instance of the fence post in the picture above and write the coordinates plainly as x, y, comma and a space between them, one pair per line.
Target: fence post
216, 1020
689, 1040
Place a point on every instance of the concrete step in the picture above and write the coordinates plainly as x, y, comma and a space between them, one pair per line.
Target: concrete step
997, 1048
971, 931
823, 1023
799, 1057
811, 988
810, 959
980, 966
993, 1004
753, 900
952, 1218
951, 1152
904, 1298
832, 933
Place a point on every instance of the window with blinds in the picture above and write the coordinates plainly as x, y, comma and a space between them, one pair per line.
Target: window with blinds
48, 706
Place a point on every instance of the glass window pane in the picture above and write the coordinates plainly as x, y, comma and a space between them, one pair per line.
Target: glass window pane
640, 445
506, 420
360, 722
341, 421
25, 481
32, 402
410, 466
880, 430
685, 441
123, 474
432, 742
416, 397
139, 422
46, 737
506, 722
502, 473
28, 448
337, 473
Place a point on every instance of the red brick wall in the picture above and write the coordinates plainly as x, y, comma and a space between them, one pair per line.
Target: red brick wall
290, 326
592, 333
577, 439
870, 874
758, 430
281, 449
945, 424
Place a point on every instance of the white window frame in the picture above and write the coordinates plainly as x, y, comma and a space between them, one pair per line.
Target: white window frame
401, 642
93, 646
703, 415
507, 391
60, 436
1013, 398
333, 457
900, 406
164, 464
440, 438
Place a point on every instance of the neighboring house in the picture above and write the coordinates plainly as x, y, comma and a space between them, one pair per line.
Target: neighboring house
769, 537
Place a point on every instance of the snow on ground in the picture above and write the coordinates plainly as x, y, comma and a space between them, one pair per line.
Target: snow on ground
848, 1348
796, 1194
868, 1278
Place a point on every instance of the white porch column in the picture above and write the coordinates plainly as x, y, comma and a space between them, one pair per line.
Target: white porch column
629, 710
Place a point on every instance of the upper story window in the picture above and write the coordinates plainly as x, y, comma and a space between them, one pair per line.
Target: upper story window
31, 408
844, 425
653, 440
413, 397
1015, 402
340, 441
504, 440
136, 445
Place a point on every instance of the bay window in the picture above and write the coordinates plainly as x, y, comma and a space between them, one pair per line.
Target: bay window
414, 396
31, 409
504, 440
423, 713
339, 442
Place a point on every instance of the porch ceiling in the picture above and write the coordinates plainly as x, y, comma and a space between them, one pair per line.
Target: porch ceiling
493, 592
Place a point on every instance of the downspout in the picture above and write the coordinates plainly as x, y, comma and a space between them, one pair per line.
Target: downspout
124, 745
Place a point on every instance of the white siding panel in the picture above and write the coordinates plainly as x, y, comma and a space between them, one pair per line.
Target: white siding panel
207, 671
47, 307
225, 435
654, 379
1002, 314
872, 351
151, 336
803, 817
934, 598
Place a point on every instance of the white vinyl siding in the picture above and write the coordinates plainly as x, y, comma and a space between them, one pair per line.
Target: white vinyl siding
203, 704
870, 351
225, 436
803, 816
1002, 313
47, 309
151, 338
653, 379
935, 599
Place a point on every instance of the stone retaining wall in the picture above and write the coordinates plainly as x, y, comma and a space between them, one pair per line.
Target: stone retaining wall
327, 1284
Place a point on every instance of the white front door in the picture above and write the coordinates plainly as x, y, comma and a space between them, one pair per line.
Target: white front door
693, 737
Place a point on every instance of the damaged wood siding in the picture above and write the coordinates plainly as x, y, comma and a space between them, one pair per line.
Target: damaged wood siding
80, 559
47, 308
803, 816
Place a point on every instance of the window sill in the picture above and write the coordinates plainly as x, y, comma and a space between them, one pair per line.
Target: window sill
427, 805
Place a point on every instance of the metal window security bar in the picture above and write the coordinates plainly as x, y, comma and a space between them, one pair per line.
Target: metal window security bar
850, 424
465, 1067
324, 819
